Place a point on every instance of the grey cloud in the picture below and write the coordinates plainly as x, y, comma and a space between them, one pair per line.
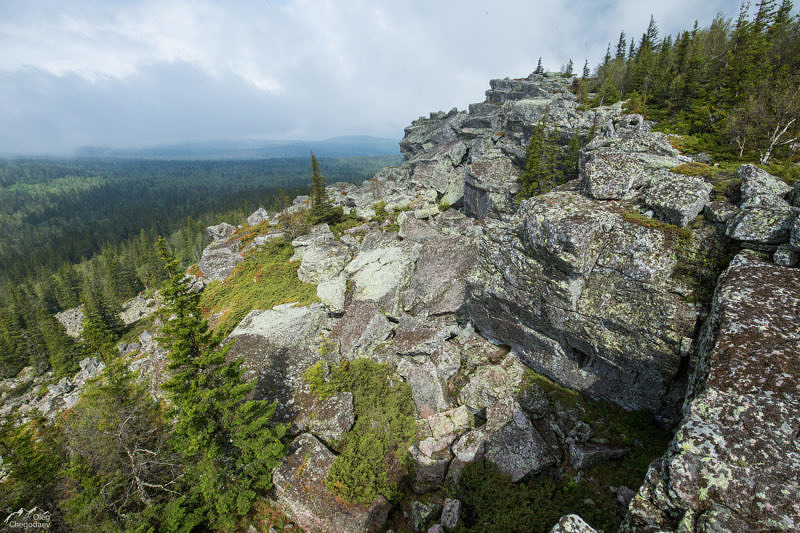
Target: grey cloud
144, 72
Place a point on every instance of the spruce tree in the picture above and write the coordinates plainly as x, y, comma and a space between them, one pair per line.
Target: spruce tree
228, 440
539, 67
319, 194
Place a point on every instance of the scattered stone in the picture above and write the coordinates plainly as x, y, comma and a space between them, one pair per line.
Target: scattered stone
362, 327
259, 215
332, 293
419, 514
220, 231
219, 259
757, 182
675, 198
451, 512
426, 388
72, 320
786, 256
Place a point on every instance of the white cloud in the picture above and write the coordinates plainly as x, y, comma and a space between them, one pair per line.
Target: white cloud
82, 72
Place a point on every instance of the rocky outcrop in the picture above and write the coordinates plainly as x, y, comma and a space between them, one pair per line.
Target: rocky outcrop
219, 259
734, 464
300, 492
572, 524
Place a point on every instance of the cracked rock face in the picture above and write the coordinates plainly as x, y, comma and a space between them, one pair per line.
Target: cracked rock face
734, 463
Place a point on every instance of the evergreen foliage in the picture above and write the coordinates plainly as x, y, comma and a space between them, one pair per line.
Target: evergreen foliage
547, 164
374, 453
228, 441
735, 86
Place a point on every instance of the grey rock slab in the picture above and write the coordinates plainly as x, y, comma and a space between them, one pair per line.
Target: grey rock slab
675, 198
219, 259
757, 182
322, 261
301, 493
259, 215
362, 327
426, 388
734, 463
332, 293
451, 513
220, 231
762, 219
376, 273
332, 417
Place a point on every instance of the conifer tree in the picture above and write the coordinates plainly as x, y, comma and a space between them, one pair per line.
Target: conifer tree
319, 194
102, 325
586, 72
228, 440
569, 69
539, 67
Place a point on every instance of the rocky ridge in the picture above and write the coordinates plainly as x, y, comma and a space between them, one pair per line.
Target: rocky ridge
461, 288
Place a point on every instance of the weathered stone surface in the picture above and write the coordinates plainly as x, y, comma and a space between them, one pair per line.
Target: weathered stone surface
332, 417
219, 259
332, 293
438, 284
733, 464
450, 422
513, 444
757, 182
220, 231
572, 524
72, 320
451, 513
490, 184
426, 388
322, 261
762, 219
794, 234
488, 384
717, 211
258, 216
380, 272
786, 256
419, 514
428, 469
362, 327
277, 346
301, 493
425, 133
675, 198
586, 297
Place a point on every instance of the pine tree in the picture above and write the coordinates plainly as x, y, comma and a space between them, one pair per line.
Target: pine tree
319, 194
102, 325
621, 45
539, 67
568, 70
586, 71
228, 440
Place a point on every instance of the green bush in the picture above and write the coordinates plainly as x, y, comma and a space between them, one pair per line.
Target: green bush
374, 453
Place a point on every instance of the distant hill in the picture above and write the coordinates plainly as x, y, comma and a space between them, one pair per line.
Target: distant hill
347, 146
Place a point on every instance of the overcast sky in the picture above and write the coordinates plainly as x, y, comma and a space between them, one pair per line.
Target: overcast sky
130, 73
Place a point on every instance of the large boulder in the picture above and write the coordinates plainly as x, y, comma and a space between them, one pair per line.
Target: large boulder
572, 524
490, 182
734, 463
361, 329
301, 493
675, 198
219, 259
258, 216
587, 297
220, 231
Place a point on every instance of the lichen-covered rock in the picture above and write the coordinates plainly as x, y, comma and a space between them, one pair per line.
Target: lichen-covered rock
220, 231
322, 261
757, 182
794, 235
513, 443
332, 417
258, 216
219, 259
572, 524
427, 390
277, 346
300, 492
379, 273
762, 219
719, 211
786, 256
490, 184
72, 320
675, 198
585, 296
428, 467
426, 133
734, 463
419, 514
451, 513
362, 327
332, 293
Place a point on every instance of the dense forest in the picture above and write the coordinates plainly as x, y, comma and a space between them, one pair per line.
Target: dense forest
83, 231
733, 87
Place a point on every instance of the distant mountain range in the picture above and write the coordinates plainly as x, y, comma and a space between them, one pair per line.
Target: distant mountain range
346, 146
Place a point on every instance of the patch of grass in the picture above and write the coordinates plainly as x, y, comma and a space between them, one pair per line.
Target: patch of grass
347, 222
381, 214
265, 278
788, 170
492, 503
374, 453
692, 169
671, 232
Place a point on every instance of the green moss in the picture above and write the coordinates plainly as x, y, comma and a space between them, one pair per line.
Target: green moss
347, 222
381, 214
692, 169
265, 278
492, 503
374, 453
